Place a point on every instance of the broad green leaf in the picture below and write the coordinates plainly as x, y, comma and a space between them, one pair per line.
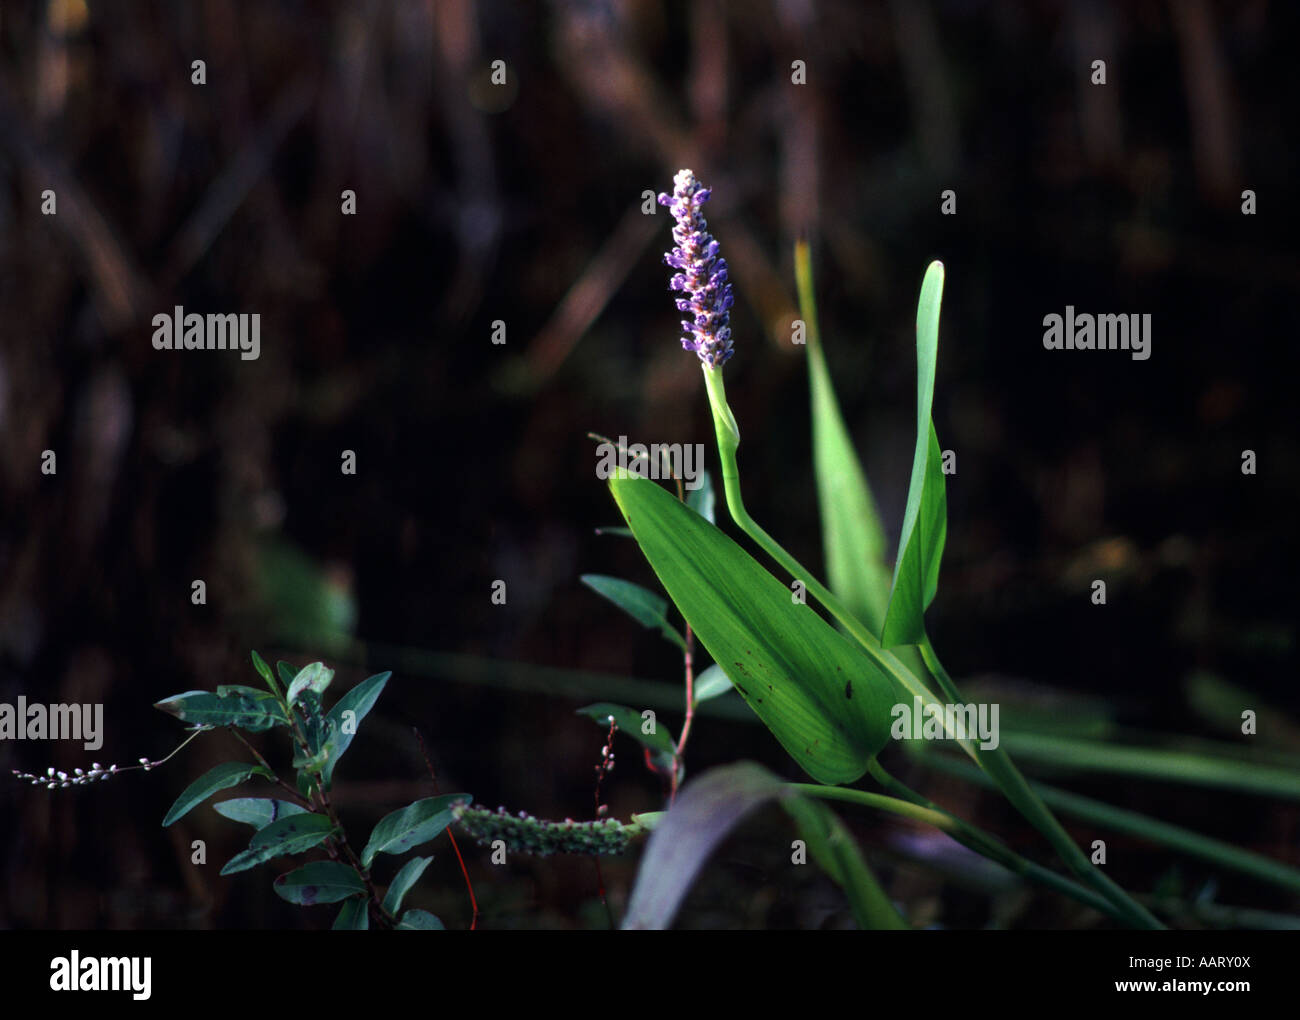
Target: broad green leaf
265, 672
354, 916
259, 812
647, 608
315, 678
286, 671
220, 777
412, 825
823, 699
621, 532
852, 536
343, 727
319, 882
835, 851
925, 521
702, 499
711, 683
401, 885
253, 712
288, 835
415, 920
631, 722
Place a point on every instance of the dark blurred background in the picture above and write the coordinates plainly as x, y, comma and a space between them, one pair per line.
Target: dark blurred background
520, 203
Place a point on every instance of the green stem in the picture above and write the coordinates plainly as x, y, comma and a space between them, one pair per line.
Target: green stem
1132, 823
997, 763
968, 836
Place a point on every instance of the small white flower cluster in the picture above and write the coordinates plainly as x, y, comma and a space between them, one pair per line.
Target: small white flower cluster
54, 779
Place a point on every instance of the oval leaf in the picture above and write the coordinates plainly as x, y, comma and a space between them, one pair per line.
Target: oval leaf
258, 812
314, 677
823, 699
245, 707
264, 671
342, 727
925, 521
319, 882
711, 683
407, 877
644, 606
412, 825
222, 777
291, 835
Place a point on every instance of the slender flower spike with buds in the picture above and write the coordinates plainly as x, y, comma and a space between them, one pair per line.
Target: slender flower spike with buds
702, 277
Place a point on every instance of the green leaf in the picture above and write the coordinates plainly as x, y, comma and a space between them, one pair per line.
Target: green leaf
823, 699
354, 916
702, 499
287, 672
414, 920
319, 882
852, 536
631, 722
711, 683
315, 678
412, 825
644, 606
245, 707
220, 777
259, 812
401, 885
290, 835
359, 701
265, 671
835, 851
925, 521
648, 820
621, 532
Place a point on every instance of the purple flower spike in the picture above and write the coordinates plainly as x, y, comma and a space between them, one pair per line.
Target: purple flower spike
703, 275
